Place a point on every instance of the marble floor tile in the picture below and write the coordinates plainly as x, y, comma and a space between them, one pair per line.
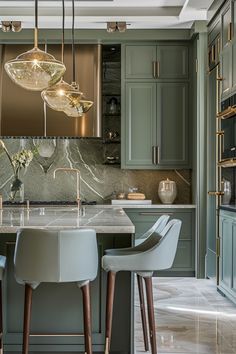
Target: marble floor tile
191, 318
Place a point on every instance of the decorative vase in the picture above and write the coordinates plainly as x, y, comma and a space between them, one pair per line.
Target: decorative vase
167, 191
17, 190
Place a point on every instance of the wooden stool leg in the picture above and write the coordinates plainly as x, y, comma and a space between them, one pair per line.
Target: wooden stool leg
143, 312
87, 318
151, 318
27, 316
111, 278
1, 326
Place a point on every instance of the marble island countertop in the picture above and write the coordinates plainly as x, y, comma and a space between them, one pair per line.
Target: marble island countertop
103, 220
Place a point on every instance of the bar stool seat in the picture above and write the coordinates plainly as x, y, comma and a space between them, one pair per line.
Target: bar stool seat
156, 253
57, 256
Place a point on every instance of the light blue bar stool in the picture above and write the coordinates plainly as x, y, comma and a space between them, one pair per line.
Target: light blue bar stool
56, 256
2, 269
156, 229
156, 253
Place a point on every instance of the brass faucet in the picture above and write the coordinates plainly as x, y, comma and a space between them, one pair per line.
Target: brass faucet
68, 169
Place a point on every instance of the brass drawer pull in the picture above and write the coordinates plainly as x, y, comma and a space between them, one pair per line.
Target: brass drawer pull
154, 155
154, 70
214, 193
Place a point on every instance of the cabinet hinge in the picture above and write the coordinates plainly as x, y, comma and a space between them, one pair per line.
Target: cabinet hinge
196, 65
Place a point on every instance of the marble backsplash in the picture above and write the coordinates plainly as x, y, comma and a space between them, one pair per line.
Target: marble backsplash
99, 181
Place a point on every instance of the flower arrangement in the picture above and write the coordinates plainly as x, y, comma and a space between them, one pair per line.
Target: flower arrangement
18, 161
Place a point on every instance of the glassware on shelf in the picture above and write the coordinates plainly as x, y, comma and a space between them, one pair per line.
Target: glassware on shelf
113, 106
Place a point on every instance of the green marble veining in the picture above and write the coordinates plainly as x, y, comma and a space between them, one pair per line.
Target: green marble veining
98, 181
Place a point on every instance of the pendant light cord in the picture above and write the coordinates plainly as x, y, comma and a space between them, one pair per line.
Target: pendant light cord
63, 31
73, 40
36, 24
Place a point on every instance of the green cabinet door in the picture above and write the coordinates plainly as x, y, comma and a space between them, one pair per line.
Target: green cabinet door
211, 174
234, 63
226, 70
140, 61
140, 124
226, 253
172, 124
226, 23
172, 62
234, 258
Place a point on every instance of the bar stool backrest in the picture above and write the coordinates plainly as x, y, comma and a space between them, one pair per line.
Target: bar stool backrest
55, 256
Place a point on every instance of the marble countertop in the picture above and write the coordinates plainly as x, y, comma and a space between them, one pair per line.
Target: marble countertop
102, 220
153, 206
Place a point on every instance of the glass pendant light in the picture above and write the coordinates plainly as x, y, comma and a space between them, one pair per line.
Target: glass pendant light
77, 104
35, 70
56, 96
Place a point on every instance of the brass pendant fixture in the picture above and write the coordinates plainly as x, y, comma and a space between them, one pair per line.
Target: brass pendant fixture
77, 104
56, 96
35, 70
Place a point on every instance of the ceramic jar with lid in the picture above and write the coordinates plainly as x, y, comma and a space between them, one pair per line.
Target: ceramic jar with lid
167, 191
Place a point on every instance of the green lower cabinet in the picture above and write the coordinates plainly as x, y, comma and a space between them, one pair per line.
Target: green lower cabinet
184, 263
227, 233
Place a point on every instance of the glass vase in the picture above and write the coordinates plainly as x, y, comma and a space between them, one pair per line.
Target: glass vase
17, 190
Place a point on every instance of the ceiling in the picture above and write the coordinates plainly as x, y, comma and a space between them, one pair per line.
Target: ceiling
139, 14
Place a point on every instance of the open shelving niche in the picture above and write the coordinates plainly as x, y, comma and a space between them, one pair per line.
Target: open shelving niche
111, 103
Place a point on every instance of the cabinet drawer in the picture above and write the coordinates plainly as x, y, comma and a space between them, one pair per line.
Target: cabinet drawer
144, 219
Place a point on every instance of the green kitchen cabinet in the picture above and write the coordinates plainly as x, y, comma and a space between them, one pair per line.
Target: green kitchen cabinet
228, 55
227, 233
155, 125
156, 61
234, 49
140, 127
184, 263
140, 61
226, 70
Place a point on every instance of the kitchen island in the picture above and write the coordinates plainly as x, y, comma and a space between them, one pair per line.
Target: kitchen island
57, 308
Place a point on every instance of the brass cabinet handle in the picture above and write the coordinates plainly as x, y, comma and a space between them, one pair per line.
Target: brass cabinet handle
214, 193
158, 154
154, 212
221, 135
158, 68
154, 155
213, 57
230, 32
218, 46
219, 78
154, 70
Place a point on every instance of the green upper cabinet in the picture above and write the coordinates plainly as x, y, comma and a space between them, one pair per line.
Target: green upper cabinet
234, 49
172, 62
155, 121
140, 61
228, 55
156, 62
156, 125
